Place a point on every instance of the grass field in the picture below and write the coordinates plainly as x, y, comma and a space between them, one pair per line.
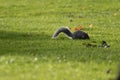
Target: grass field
27, 51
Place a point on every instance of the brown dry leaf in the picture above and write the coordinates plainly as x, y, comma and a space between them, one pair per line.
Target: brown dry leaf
115, 14
77, 28
91, 26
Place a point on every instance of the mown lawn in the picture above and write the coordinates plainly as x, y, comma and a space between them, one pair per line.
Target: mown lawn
27, 51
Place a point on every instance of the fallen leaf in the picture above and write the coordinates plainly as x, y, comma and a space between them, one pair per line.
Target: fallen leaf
77, 28
91, 26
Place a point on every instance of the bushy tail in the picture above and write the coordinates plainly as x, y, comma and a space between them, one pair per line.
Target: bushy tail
64, 30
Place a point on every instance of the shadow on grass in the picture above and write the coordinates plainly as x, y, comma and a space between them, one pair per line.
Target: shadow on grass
8, 35
42, 46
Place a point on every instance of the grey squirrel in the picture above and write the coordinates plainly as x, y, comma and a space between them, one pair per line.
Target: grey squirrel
75, 35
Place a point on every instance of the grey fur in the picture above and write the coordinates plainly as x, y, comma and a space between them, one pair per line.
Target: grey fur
75, 35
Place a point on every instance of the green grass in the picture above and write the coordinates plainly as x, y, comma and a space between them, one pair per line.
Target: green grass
27, 51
